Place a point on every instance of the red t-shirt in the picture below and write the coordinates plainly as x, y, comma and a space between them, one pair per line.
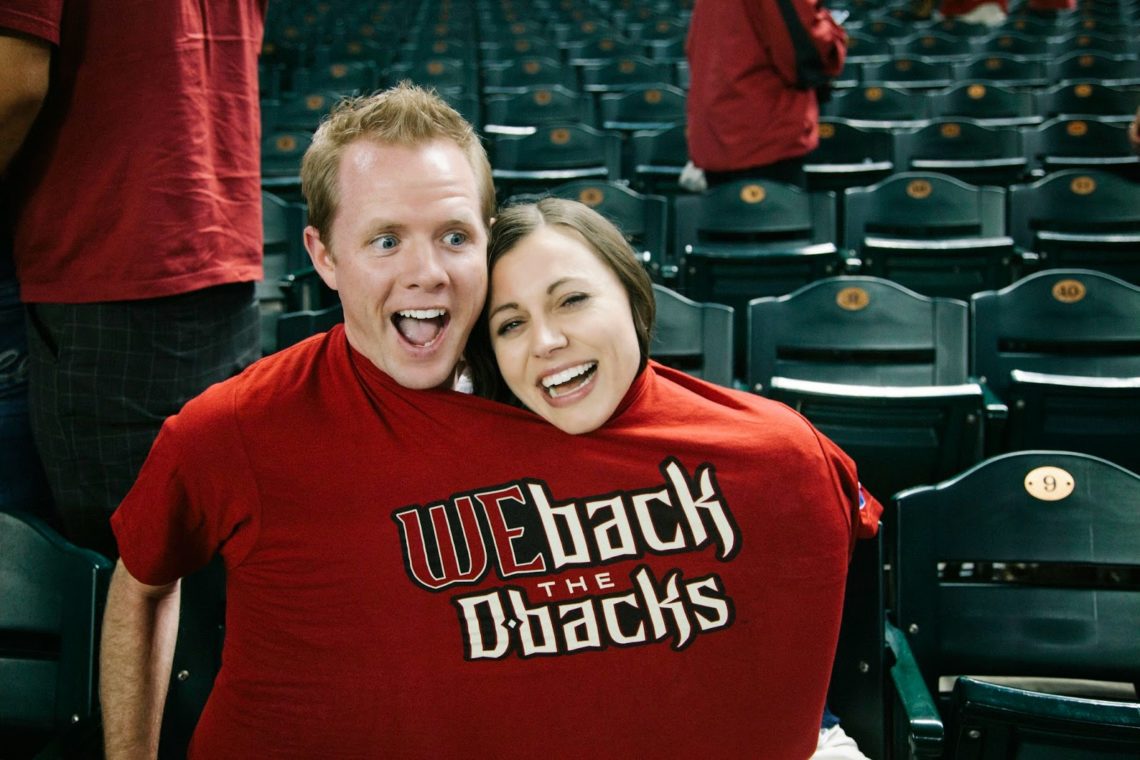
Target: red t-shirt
746, 60
140, 177
423, 573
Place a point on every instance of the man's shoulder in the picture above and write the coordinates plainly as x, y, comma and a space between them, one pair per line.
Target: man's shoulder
281, 381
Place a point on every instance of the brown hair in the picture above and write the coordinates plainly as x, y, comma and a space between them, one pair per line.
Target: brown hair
515, 223
404, 115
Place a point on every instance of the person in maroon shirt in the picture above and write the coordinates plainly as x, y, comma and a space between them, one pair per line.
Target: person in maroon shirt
136, 213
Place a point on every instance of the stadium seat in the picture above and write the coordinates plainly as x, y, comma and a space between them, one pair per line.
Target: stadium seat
987, 103
1014, 44
522, 74
1051, 537
935, 46
651, 107
1004, 70
909, 74
693, 337
553, 155
964, 149
878, 368
1081, 144
1062, 349
623, 73
848, 156
445, 75
658, 157
1093, 66
1084, 99
51, 605
1078, 218
878, 107
642, 218
521, 112
995, 722
930, 232
752, 238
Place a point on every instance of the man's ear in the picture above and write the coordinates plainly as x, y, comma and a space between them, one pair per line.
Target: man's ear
321, 256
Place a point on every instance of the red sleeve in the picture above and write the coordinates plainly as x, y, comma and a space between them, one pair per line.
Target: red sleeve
805, 45
864, 510
38, 18
195, 495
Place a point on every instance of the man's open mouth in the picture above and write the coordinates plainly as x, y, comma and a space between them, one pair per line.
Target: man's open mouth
420, 327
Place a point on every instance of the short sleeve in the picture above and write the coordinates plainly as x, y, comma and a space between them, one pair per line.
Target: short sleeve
195, 496
864, 509
38, 18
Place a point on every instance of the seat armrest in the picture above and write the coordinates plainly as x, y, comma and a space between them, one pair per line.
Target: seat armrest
925, 731
997, 418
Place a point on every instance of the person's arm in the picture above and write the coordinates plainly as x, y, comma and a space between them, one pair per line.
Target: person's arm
140, 626
806, 47
24, 65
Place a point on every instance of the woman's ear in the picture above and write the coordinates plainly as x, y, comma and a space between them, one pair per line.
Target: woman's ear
321, 256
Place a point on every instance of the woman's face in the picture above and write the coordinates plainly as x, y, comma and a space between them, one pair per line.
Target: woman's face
562, 330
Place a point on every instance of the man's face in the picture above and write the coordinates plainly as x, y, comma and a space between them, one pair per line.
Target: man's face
407, 255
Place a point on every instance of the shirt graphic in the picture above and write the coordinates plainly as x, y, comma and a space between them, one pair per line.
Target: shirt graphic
519, 531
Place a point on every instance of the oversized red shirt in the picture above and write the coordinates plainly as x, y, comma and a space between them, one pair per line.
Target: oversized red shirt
427, 574
140, 178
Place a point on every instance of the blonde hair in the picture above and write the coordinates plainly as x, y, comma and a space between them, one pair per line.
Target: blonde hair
404, 115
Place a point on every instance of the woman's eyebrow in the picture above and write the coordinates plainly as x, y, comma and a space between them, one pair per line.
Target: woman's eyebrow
502, 307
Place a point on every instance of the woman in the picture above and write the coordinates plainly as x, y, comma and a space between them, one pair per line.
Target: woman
566, 333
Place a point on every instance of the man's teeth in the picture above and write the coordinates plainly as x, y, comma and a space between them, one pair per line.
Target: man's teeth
422, 313
559, 378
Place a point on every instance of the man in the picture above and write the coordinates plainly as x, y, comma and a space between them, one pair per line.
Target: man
754, 67
24, 63
137, 228
415, 572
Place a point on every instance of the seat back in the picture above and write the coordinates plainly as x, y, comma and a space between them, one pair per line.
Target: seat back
930, 232
878, 107
623, 72
859, 331
1066, 143
923, 205
520, 112
522, 74
751, 238
693, 337
641, 218
995, 722
1056, 527
1080, 218
1000, 69
1060, 322
848, 156
986, 102
51, 603
910, 73
553, 155
655, 106
898, 436
1087, 99
658, 158
964, 149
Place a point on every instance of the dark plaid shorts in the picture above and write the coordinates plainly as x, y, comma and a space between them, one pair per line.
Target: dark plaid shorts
104, 376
